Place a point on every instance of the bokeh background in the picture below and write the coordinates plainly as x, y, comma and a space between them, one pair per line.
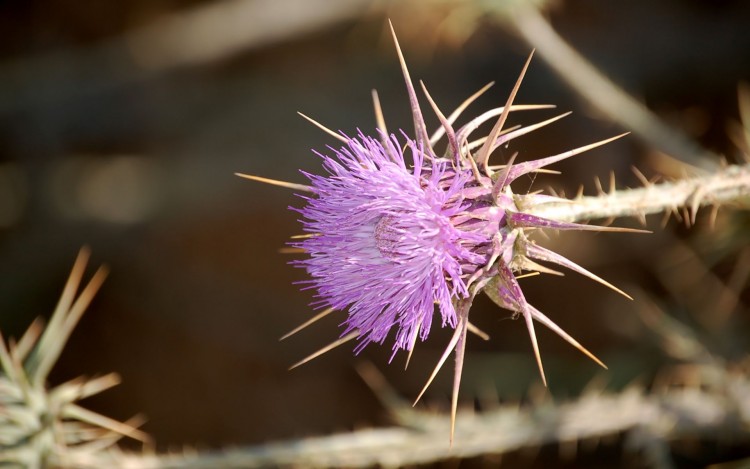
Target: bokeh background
122, 125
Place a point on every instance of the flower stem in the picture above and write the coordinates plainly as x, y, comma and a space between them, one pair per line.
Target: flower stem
730, 185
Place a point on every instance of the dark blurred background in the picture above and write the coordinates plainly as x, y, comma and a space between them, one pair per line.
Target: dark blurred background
122, 125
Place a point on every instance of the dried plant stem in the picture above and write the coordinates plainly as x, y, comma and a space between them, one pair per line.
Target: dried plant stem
727, 186
647, 422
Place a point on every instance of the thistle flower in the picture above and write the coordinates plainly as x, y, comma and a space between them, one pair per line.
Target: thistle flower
390, 237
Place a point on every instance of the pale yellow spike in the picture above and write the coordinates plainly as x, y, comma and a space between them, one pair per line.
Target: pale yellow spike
530, 128
474, 124
598, 184
712, 216
461, 108
327, 348
291, 250
419, 126
323, 128
480, 141
460, 354
477, 331
534, 274
565, 336
275, 182
29, 339
484, 153
76, 412
451, 346
641, 177
612, 187
379, 118
530, 326
413, 343
48, 351
307, 323
448, 129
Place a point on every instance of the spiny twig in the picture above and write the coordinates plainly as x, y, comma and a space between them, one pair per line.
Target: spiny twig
727, 186
673, 415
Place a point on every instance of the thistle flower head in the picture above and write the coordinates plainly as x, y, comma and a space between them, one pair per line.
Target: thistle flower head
384, 241
394, 228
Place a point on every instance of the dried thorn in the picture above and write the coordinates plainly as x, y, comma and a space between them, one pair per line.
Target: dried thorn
665, 217
413, 343
323, 128
419, 126
315, 318
534, 344
379, 118
598, 184
54, 339
579, 194
28, 340
502, 181
567, 337
641, 177
686, 216
327, 348
454, 115
477, 331
460, 354
608, 221
79, 413
695, 202
530, 166
451, 346
448, 129
546, 255
642, 219
484, 153
612, 186
508, 135
713, 215
289, 250
274, 182
534, 274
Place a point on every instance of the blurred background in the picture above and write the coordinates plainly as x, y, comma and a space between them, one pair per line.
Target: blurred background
122, 125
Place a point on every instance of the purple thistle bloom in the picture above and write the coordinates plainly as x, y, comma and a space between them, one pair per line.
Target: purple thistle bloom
384, 241
388, 239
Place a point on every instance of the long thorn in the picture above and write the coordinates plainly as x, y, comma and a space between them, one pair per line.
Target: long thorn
451, 346
532, 334
310, 321
484, 154
327, 348
419, 126
323, 128
567, 337
460, 353
454, 115
275, 182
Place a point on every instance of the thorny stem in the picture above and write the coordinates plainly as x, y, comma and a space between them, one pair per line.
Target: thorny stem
730, 185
